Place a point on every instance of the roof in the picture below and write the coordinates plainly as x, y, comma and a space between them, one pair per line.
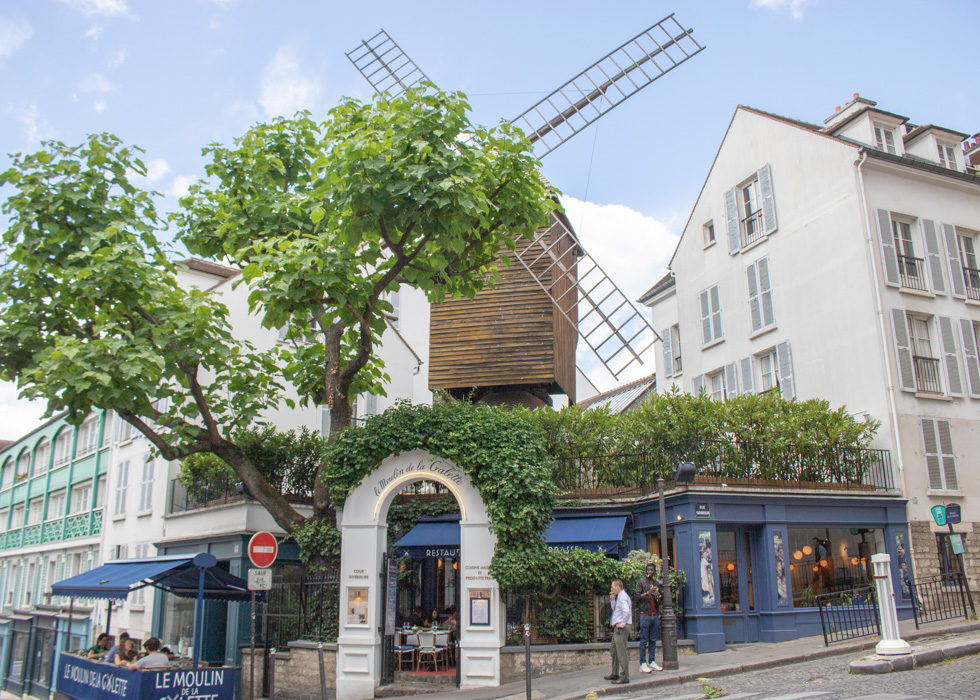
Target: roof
926, 128
919, 164
623, 398
210, 268
662, 285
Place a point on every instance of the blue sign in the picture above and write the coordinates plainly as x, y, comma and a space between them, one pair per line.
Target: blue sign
953, 514
90, 680
939, 514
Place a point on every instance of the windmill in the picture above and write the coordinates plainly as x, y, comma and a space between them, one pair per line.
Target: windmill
518, 339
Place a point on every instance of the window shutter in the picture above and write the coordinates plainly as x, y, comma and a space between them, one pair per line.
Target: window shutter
934, 254
716, 331
950, 357
768, 204
755, 308
705, 318
946, 450
765, 292
931, 446
731, 381
731, 216
956, 281
697, 384
121, 484
785, 361
668, 357
889, 256
969, 341
903, 349
747, 376
675, 349
324, 421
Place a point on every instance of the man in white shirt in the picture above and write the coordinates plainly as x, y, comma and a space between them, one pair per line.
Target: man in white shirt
622, 622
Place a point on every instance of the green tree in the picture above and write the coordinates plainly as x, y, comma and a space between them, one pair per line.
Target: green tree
324, 219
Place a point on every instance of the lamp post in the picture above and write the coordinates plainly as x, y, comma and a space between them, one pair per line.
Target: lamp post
668, 619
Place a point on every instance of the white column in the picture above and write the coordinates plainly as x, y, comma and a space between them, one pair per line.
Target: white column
891, 643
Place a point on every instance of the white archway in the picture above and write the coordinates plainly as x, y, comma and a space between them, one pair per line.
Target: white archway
363, 526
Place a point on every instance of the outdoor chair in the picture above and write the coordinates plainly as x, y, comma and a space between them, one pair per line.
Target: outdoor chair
429, 650
407, 651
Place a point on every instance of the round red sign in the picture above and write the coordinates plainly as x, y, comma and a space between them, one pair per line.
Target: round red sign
262, 549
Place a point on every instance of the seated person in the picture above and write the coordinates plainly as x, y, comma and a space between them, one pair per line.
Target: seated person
415, 619
99, 649
166, 650
450, 622
154, 656
434, 619
110, 656
127, 653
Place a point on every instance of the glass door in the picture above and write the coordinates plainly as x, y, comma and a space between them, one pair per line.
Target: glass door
736, 547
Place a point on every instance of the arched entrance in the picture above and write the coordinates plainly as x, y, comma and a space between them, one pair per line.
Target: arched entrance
363, 527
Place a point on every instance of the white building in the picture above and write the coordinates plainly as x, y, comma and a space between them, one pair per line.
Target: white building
839, 262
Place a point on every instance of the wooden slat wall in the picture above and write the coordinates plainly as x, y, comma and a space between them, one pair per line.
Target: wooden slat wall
565, 333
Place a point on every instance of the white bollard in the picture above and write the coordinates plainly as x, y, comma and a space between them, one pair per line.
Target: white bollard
891, 643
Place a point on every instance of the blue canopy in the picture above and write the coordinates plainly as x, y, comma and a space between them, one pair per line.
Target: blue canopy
433, 540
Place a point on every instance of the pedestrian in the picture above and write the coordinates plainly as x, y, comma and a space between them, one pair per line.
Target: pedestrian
647, 593
622, 622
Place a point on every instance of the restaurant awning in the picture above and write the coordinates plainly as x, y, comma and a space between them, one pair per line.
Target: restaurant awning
440, 539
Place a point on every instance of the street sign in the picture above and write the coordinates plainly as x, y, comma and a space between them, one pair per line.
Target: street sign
260, 579
956, 543
262, 549
953, 513
939, 514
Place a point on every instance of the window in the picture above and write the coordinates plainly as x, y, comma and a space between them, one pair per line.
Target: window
968, 258
711, 315
120, 551
927, 376
940, 461
762, 316
911, 269
35, 511
81, 497
41, 457
716, 385
768, 372
750, 211
141, 550
146, 486
62, 448
88, 434
671, 338
884, 139
7, 477
709, 233
107, 429
947, 156
394, 298
56, 505
126, 431
826, 560
17, 516
100, 492
122, 484
4, 516
923, 364
23, 464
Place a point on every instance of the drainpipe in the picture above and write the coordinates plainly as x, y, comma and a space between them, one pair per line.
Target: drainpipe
879, 312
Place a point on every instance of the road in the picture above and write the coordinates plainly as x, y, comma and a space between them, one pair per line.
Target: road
828, 679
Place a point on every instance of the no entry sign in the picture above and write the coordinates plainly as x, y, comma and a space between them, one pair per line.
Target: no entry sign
262, 549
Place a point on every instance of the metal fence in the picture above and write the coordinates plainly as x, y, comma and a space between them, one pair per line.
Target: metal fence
940, 597
848, 614
303, 606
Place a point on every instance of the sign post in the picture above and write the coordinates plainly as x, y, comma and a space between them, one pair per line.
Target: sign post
262, 551
953, 515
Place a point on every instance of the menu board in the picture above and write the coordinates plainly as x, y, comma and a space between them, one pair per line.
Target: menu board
357, 606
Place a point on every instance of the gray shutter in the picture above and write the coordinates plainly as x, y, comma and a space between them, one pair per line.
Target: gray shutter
755, 308
668, 357
785, 360
765, 293
956, 281
903, 349
731, 381
705, 318
675, 349
889, 256
697, 384
747, 375
716, 313
969, 341
768, 205
934, 254
946, 451
731, 216
947, 339
931, 445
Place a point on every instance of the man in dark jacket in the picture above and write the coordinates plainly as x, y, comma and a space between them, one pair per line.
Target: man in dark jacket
647, 594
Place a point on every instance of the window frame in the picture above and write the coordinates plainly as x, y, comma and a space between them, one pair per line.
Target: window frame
53, 504
62, 448
145, 505
947, 156
35, 511
884, 135
88, 437
122, 489
82, 487
707, 298
709, 237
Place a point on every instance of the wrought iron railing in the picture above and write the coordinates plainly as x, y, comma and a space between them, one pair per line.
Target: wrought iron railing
911, 272
939, 598
752, 228
202, 495
927, 374
302, 607
971, 276
848, 614
739, 462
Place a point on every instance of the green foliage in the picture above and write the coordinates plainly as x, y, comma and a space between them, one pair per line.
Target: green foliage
319, 543
403, 516
567, 619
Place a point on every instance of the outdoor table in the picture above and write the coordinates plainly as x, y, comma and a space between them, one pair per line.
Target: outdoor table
82, 679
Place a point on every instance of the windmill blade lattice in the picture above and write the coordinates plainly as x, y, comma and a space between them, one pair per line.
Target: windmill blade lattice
383, 64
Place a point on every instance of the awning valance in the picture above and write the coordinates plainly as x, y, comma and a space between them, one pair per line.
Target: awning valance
436, 540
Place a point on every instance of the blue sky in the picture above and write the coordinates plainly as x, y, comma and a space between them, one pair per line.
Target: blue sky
173, 76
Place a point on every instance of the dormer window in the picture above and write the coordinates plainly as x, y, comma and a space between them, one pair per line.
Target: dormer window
947, 156
884, 139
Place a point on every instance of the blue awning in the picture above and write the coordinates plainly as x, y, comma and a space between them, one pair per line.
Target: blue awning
440, 540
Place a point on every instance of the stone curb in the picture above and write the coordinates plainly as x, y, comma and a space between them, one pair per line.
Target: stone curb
917, 659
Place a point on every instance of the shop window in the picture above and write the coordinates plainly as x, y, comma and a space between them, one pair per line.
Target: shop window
830, 560
728, 572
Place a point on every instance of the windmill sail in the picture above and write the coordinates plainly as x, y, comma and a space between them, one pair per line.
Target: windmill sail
383, 64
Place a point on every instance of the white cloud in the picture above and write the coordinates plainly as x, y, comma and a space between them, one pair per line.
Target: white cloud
118, 58
34, 127
180, 185
156, 168
100, 106
286, 86
795, 7
18, 416
99, 7
94, 32
13, 34
96, 82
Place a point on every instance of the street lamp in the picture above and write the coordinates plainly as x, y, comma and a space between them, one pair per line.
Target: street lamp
668, 620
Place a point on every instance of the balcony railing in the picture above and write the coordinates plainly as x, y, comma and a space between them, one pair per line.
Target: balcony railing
927, 375
912, 272
733, 463
971, 276
752, 228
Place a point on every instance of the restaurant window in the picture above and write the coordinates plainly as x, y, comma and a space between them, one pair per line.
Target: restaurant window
653, 546
830, 560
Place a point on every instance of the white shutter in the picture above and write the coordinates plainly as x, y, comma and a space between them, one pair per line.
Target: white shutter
946, 451
731, 381
107, 428
889, 256
731, 217
972, 357
705, 318
697, 383
121, 487
934, 254
755, 308
956, 280
903, 349
947, 339
146, 485
747, 374
716, 331
768, 205
765, 293
785, 361
931, 449
668, 356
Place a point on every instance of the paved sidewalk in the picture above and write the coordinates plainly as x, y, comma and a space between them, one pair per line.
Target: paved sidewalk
734, 660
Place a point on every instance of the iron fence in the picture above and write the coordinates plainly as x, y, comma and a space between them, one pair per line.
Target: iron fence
848, 614
303, 606
940, 597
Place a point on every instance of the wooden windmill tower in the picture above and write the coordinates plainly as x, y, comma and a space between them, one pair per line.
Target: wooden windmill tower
516, 343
